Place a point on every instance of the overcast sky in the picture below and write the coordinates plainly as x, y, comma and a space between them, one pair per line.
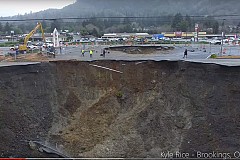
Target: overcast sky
14, 7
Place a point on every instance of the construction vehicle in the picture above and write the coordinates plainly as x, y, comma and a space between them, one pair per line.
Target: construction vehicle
23, 47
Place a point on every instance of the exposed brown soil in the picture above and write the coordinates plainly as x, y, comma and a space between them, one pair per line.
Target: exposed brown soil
33, 57
142, 49
228, 57
152, 107
2, 57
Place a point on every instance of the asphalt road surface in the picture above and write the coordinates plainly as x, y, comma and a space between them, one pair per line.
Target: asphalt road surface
195, 53
4, 50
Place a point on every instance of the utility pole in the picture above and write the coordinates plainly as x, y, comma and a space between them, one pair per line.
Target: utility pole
221, 52
210, 47
186, 35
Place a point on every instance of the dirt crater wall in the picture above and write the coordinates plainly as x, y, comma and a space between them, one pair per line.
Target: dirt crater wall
151, 107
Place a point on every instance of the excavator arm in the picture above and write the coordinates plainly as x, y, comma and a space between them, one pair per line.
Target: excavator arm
24, 46
41, 28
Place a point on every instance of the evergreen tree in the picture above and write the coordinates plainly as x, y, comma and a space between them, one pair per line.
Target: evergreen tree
95, 32
83, 31
127, 25
17, 30
210, 22
55, 24
238, 28
189, 23
44, 25
7, 28
84, 23
176, 23
215, 27
22, 27
183, 26
1, 27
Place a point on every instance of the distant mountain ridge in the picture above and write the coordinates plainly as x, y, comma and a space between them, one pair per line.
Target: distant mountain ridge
89, 8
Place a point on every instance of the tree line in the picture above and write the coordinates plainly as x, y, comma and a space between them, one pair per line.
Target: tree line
98, 26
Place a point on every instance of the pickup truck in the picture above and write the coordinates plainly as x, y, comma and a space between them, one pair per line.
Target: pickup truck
14, 48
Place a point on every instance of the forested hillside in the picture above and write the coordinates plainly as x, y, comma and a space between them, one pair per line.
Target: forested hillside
165, 11
89, 8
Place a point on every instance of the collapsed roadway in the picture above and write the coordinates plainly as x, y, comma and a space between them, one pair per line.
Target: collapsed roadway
107, 108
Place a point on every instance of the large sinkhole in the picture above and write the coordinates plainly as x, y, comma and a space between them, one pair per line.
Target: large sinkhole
142, 49
77, 109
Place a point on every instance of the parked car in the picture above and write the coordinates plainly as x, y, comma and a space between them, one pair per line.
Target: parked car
14, 48
32, 47
216, 42
47, 45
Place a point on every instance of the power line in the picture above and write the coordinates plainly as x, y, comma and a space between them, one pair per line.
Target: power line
117, 17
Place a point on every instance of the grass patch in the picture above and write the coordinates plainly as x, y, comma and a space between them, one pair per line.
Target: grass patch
119, 94
8, 44
213, 56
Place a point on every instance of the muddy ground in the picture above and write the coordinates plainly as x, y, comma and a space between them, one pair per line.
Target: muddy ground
84, 111
142, 49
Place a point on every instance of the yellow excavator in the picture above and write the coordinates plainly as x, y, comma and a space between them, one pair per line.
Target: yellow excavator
23, 47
